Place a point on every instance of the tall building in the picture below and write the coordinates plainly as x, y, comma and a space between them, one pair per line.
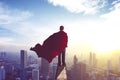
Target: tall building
79, 71
75, 60
119, 64
3, 55
82, 67
9, 71
94, 60
35, 74
30, 60
90, 59
23, 58
109, 67
54, 71
44, 67
23, 61
2, 73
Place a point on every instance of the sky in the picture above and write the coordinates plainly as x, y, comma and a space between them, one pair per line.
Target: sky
91, 25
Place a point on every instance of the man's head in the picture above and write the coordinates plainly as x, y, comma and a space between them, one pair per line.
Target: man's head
61, 28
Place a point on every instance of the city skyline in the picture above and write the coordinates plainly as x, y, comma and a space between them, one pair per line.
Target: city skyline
91, 25
30, 68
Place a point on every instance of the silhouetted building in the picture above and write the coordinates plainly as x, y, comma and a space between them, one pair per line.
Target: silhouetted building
54, 71
9, 70
109, 65
35, 74
75, 61
2, 73
78, 71
23, 60
30, 60
44, 67
3, 55
92, 60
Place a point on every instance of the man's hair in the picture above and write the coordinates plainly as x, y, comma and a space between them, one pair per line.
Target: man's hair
61, 28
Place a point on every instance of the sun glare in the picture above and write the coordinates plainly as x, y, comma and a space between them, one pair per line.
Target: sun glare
106, 42
103, 39
105, 46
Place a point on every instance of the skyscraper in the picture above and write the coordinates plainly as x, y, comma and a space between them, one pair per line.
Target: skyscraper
23, 62
82, 72
90, 59
3, 55
35, 74
23, 59
44, 67
2, 73
75, 60
94, 60
109, 65
79, 71
54, 71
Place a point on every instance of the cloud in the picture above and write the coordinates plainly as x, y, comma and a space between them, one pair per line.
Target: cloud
12, 26
79, 6
14, 20
9, 15
26, 33
112, 18
115, 2
110, 27
102, 33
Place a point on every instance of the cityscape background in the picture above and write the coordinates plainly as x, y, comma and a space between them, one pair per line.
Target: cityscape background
93, 51
22, 66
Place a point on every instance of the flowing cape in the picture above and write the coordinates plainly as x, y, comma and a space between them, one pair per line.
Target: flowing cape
52, 46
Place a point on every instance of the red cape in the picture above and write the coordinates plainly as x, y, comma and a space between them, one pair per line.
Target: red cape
52, 46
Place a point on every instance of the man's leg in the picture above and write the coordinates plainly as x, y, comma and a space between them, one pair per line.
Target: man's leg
59, 60
63, 57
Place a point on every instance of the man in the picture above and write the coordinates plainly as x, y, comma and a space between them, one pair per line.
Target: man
64, 50
52, 46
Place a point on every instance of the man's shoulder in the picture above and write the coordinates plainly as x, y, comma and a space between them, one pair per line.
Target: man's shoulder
59, 33
62, 32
